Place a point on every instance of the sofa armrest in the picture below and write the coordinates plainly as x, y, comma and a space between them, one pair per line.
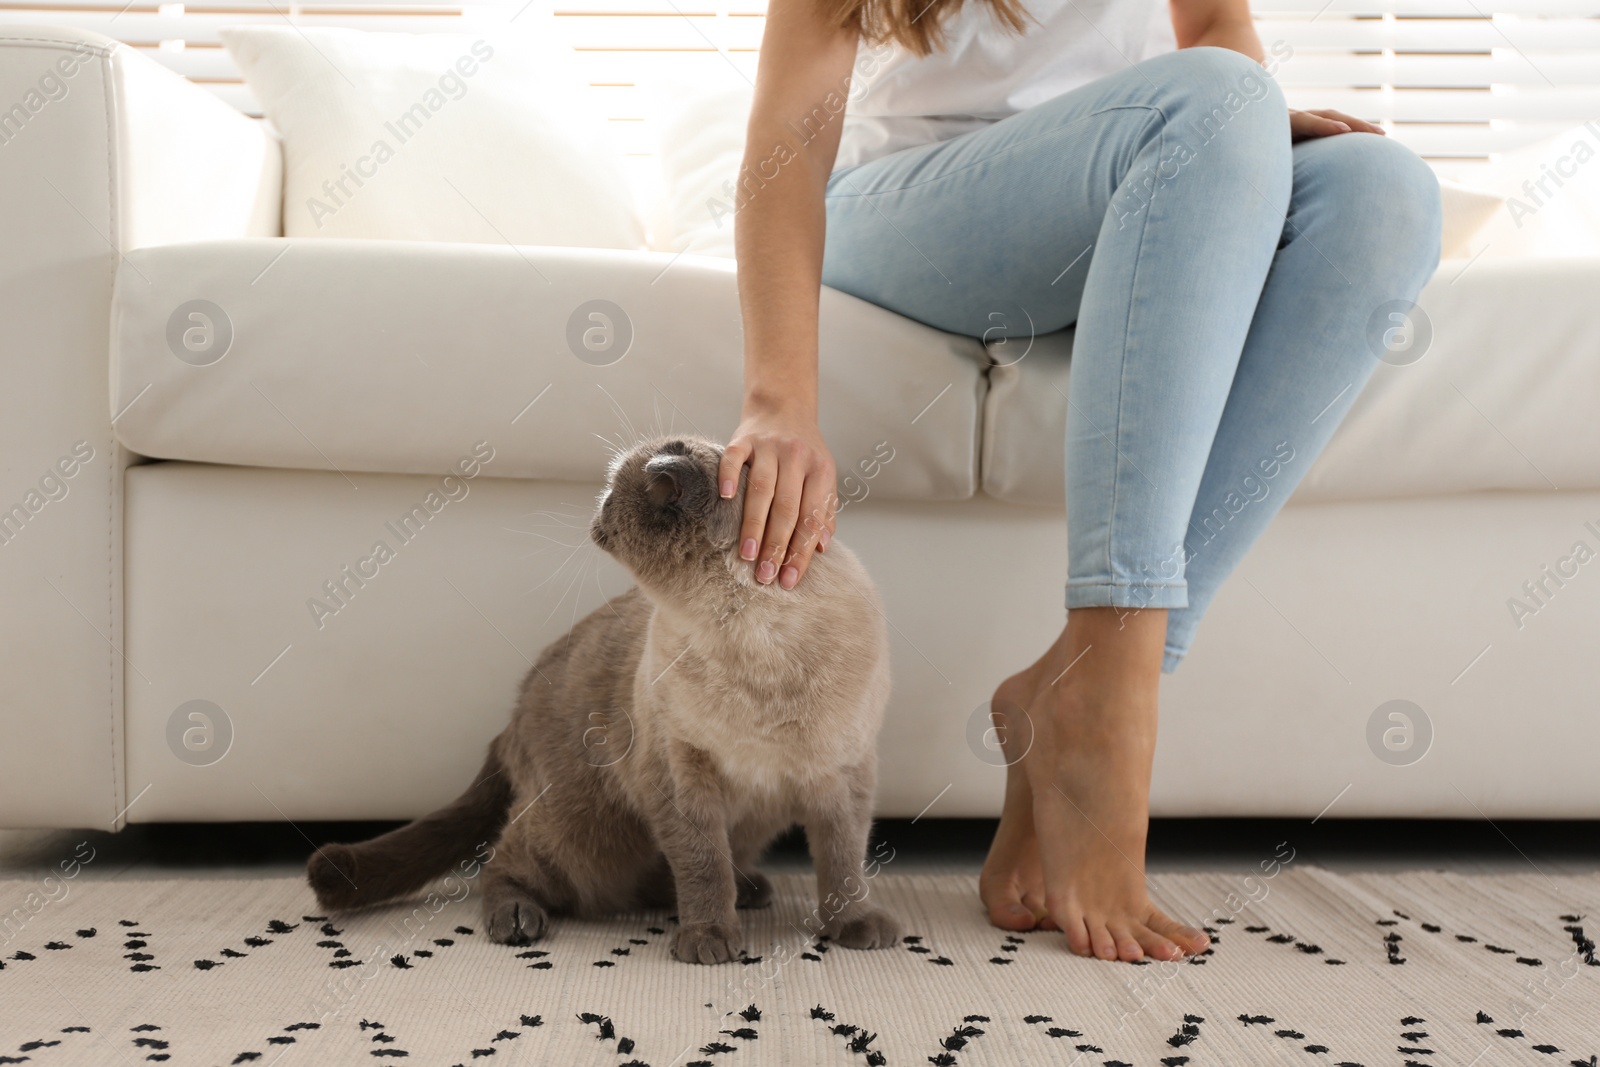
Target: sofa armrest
101, 151
192, 167
181, 164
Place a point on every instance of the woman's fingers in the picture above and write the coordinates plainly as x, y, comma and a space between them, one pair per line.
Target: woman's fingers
816, 512
783, 514
1306, 124
733, 458
758, 492
1326, 122
1350, 121
789, 500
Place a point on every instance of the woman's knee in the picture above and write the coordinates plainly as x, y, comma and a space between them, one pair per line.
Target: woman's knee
1221, 104
1374, 187
1215, 87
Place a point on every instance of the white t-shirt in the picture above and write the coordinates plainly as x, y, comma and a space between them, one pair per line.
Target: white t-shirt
986, 72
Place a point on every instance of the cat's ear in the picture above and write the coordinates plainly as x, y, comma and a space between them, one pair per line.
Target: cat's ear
664, 489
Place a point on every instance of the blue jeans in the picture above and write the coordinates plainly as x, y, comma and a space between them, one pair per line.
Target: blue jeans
1227, 289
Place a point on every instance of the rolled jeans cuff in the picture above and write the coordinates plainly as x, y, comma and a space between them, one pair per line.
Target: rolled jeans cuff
1095, 593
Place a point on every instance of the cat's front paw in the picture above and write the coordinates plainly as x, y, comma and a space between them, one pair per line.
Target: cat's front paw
870, 929
514, 919
707, 942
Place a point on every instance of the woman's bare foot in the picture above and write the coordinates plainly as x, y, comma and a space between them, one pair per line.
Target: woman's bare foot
1012, 883
1069, 852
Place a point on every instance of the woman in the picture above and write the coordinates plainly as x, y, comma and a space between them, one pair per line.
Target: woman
1227, 263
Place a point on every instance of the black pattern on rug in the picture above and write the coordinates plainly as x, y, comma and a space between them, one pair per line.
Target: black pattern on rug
270, 981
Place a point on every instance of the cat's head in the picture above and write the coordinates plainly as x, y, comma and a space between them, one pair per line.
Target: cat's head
661, 511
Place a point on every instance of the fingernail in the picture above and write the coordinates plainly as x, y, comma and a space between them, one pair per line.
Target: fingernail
1018, 909
765, 571
789, 576
727, 489
748, 549
827, 535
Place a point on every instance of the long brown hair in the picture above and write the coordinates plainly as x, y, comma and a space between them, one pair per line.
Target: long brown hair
915, 24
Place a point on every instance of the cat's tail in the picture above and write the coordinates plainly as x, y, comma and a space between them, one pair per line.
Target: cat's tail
404, 860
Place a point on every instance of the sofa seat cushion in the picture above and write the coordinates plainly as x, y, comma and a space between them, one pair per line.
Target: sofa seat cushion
400, 357
1506, 396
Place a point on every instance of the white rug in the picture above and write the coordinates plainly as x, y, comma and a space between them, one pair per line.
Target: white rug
1412, 969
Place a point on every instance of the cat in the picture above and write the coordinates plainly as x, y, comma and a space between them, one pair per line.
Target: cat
657, 750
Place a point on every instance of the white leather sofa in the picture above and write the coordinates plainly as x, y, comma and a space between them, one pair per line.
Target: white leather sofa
176, 503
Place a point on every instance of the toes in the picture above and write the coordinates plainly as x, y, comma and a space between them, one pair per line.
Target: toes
1155, 946
1187, 938
1003, 901
1127, 941
1033, 903
1128, 948
1104, 945
1076, 931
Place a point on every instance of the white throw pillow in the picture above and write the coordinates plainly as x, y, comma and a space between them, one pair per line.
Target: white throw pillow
700, 145
1466, 212
435, 137
1552, 197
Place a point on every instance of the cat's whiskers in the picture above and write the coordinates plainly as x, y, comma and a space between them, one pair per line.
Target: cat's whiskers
555, 543
621, 413
577, 583
619, 453
604, 598
578, 572
579, 525
556, 573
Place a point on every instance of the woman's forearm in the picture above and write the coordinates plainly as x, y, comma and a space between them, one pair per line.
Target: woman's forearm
778, 238
779, 222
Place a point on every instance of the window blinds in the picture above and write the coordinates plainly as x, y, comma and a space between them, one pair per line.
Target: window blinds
1458, 80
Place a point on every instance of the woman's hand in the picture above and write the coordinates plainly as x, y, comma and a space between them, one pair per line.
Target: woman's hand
1326, 122
790, 499
779, 230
